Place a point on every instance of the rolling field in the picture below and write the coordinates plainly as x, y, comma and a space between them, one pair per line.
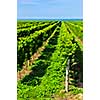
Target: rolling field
43, 51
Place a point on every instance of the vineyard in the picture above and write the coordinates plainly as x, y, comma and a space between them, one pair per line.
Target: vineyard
43, 51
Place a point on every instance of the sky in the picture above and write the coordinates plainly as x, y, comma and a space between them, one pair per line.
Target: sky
49, 9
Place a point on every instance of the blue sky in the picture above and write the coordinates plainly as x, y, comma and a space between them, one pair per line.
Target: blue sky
49, 9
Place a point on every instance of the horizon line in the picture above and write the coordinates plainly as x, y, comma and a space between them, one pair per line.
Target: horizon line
47, 18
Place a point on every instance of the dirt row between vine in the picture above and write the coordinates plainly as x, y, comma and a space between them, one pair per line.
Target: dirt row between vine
77, 38
25, 68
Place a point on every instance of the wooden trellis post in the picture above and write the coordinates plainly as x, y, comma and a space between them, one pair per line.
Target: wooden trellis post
67, 76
